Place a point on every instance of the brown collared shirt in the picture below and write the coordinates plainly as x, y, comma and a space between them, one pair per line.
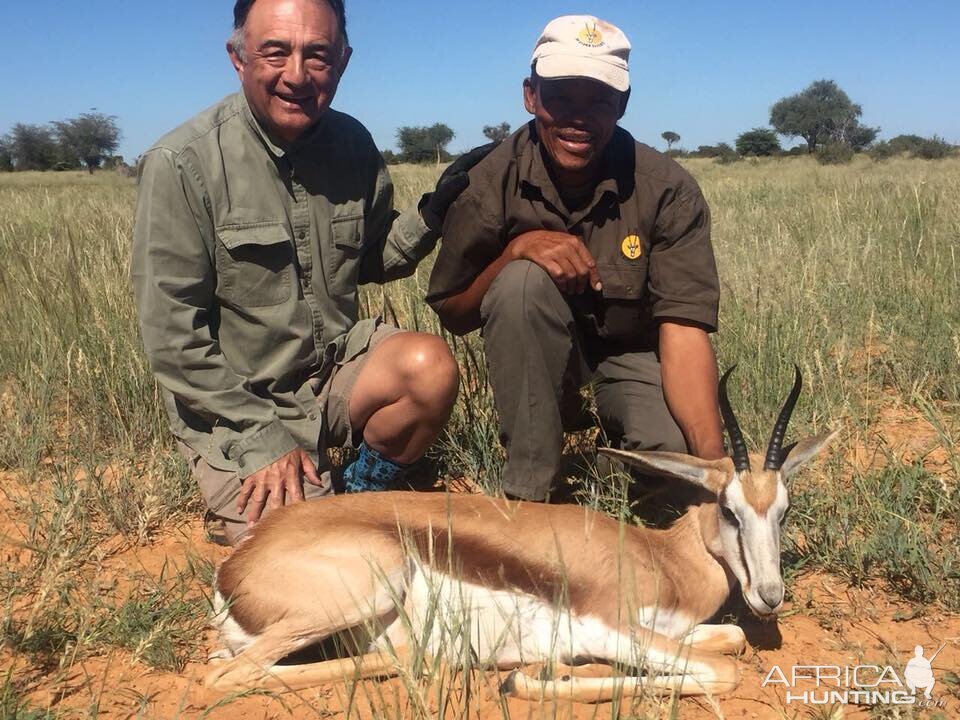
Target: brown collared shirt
647, 226
246, 261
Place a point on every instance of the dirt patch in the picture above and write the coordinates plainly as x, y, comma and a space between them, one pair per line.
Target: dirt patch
903, 433
827, 623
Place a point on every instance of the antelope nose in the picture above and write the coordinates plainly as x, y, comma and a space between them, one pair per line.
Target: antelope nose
771, 594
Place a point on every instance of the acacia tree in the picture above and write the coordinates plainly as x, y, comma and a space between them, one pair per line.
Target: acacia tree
6, 157
759, 142
671, 137
497, 133
424, 144
88, 139
31, 147
822, 113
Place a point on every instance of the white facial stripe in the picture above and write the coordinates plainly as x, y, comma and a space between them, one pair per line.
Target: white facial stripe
753, 550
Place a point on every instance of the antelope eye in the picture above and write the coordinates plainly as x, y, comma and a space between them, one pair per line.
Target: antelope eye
729, 516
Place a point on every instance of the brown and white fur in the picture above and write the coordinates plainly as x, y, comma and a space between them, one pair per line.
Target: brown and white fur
529, 582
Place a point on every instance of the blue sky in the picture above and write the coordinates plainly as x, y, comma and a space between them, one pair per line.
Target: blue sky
706, 70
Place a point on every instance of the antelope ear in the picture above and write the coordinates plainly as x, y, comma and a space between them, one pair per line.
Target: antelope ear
712, 475
806, 450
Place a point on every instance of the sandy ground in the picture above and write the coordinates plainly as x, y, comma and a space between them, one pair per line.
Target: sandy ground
826, 623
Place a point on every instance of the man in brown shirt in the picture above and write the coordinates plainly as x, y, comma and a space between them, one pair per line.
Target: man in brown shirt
584, 257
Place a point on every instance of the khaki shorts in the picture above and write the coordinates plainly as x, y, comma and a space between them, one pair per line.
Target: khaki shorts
220, 488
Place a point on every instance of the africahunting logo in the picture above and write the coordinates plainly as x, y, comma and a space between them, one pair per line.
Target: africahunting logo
860, 684
590, 36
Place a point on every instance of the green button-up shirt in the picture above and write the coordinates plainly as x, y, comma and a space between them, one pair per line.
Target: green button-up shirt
246, 262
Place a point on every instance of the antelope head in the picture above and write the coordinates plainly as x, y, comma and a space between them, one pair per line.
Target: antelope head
751, 497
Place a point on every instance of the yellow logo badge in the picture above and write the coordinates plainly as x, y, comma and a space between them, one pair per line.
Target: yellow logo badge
631, 247
590, 36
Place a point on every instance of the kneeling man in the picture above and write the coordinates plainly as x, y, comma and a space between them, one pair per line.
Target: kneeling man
584, 257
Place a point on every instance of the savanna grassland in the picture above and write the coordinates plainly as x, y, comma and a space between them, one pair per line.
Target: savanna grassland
851, 272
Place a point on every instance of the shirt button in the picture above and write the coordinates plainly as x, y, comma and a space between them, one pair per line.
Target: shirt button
312, 416
301, 234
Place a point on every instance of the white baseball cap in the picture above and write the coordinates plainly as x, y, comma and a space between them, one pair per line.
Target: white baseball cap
582, 46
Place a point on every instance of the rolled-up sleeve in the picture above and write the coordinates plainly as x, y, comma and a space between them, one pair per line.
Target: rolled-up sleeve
472, 239
683, 280
395, 243
174, 281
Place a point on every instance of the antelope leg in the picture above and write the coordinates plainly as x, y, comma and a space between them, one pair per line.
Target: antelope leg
723, 679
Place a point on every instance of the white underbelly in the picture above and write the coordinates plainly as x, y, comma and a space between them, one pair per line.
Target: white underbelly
466, 624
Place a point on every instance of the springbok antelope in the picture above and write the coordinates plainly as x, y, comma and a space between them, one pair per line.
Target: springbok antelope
532, 582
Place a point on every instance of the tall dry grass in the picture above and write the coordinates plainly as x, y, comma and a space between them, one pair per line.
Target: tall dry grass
849, 271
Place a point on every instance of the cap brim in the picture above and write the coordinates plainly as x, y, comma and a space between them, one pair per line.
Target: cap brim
555, 67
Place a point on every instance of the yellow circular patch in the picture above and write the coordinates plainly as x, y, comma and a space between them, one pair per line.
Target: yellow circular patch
631, 247
590, 36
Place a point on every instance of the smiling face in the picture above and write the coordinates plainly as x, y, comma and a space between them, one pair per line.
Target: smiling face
292, 59
575, 120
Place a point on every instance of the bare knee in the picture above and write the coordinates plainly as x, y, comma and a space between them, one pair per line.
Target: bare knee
429, 373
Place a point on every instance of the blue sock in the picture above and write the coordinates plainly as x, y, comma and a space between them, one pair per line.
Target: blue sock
371, 471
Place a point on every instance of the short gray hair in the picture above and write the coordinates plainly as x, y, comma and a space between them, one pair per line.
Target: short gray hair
238, 39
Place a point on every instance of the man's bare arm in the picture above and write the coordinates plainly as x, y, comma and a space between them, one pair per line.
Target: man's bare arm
689, 372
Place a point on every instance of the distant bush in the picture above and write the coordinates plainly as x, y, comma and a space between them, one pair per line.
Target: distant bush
705, 151
834, 154
800, 149
758, 141
934, 148
726, 154
905, 143
882, 150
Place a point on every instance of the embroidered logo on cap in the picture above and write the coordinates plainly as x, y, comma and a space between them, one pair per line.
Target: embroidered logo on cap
590, 36
631, 247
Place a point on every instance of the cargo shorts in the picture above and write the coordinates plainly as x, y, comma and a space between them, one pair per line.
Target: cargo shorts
220, 488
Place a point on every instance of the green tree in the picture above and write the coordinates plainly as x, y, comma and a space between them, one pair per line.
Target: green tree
497, 133
860, 137
6, 156
32, 147
424, 144
726, 154
87, 139
822, 113
759, 141
671, 137
906, 143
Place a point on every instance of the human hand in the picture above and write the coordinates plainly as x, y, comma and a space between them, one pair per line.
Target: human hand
453, 181
270, 485
562, 256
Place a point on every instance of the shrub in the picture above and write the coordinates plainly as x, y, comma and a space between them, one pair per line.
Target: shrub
759, 141
934, 148
834, 154
726, 154
882, 151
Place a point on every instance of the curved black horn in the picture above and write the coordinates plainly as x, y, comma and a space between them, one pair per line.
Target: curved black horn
741, 461
774, 450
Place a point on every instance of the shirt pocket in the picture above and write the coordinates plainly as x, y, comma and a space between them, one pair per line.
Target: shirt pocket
624, 313
346, 234
254, 264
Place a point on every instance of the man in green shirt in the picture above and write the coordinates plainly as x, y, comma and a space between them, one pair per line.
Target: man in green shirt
256, 222
583, 257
